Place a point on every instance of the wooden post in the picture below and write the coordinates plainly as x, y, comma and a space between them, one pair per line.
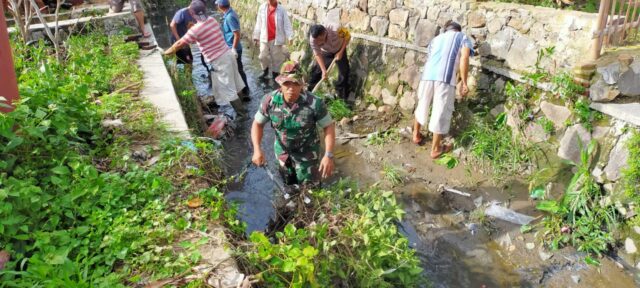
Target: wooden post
601, 23
8, 83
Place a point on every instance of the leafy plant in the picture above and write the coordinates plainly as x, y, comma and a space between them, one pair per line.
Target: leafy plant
447, 160
392, 174
547, 125
380, 138
339, 109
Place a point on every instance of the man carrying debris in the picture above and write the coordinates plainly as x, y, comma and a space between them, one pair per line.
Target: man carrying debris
179, 26
231, 30
273, 30
329, 44
448, 51
136, 9
221, 60
294, 115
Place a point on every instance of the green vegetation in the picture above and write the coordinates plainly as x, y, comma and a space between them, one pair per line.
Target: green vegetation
582, 217
181, 78
631, 175
590, 6
392, 174
339, 109
495, 145
447, 160
348, 238
78, 208
547, 125
380, 138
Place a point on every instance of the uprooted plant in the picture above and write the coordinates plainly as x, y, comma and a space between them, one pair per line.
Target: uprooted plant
345, 237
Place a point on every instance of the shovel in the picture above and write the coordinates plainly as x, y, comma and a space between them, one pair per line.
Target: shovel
333, 63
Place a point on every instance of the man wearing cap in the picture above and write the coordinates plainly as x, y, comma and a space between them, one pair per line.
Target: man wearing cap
273, 30
295, 115
447, 52
329, 44
180, 24
226, 81
231, 30
136, 8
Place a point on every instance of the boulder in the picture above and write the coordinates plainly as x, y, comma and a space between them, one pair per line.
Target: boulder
433, 13
411, 75
408, 101
376, 92
628, 84
399, 17
522, 54
425, 31
359, 20
601, 92
494, 26
610, 73
476, 20
535, 133
575, 138
626, 112
388, 98
379, 25
618, 158
397, 32
333, 16
556, 113
516, 23
497, 110
500, 42
599, 132
598, 175
630, 246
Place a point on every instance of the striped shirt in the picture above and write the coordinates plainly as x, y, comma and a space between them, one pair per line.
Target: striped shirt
444, 57
208, 35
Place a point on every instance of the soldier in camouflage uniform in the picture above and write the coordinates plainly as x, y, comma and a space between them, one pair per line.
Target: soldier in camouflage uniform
295, 115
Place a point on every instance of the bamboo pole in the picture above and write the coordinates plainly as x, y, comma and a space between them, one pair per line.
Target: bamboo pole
600, 25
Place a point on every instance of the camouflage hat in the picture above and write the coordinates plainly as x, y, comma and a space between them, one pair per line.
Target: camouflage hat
290, 72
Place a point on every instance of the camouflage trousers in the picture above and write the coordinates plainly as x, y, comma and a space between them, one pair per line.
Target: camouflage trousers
298, 168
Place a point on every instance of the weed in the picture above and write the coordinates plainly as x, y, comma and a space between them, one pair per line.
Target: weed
355, 245
380, 138
339, 109
547, 125
181, 78
565, 88
447, 160
392, 174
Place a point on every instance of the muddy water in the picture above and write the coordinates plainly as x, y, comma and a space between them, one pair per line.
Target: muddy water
453, 252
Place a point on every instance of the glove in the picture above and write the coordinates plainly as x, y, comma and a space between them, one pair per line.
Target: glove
234, 53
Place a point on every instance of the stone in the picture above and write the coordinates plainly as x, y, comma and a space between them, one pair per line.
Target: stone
298, 55
630, 246
359, 20
556, 113
575, 278
409, 58
332, 4
610, 73
500, 42
108, 123
530, 246
379, 25
499, 85
575, 138
625, 59
433, 13
345, 121
598, 175
636, 229
372, 107
376, 92
399, 17
384, 109
497, 110
388, 98
333, 16
599, 132
522, 54
425, 31
408, 101
544, 256
394, 79
494, 26
411, 75
618, 158
628, 84
601, 92
626, 112
396, 32
363, 5
516, 23
535, 133
476, 20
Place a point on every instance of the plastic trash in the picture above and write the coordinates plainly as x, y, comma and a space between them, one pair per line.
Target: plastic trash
497, 211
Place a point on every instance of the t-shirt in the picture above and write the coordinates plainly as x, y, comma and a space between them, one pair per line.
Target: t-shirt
444, 57
336, 35
271, 23
209, 37
230, 24
183, 20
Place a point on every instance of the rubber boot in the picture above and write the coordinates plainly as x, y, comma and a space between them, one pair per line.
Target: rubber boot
265, 73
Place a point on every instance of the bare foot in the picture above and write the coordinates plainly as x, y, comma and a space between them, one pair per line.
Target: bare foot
443, 149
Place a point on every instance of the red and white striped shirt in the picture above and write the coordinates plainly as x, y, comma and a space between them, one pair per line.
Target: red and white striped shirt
208, 36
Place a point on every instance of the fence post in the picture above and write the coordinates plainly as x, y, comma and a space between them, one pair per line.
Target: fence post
601, 23
8, 83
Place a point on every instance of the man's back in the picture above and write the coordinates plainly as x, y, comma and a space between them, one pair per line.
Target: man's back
183, 20
444, 56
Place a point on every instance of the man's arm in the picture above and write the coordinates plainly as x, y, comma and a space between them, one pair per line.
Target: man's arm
257, 130
174, 29
175, 47
327, 165
236, 39
320, 61
464, 69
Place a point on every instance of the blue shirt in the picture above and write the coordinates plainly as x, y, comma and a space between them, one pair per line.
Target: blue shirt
230, 24
444, 57
183, 20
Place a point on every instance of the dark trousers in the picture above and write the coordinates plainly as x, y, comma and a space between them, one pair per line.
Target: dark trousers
342, 85
184, 55
241, 71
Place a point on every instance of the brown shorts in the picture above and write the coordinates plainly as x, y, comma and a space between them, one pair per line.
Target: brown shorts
117, 5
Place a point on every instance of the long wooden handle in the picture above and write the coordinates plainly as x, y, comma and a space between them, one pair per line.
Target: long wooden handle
333, 63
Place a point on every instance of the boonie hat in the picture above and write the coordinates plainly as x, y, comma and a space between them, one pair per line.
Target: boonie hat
290, 72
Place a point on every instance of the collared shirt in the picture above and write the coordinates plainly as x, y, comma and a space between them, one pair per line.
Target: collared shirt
295, 124
283, 27
444, 57
335, 37
209, 37
183, 20
230, 24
